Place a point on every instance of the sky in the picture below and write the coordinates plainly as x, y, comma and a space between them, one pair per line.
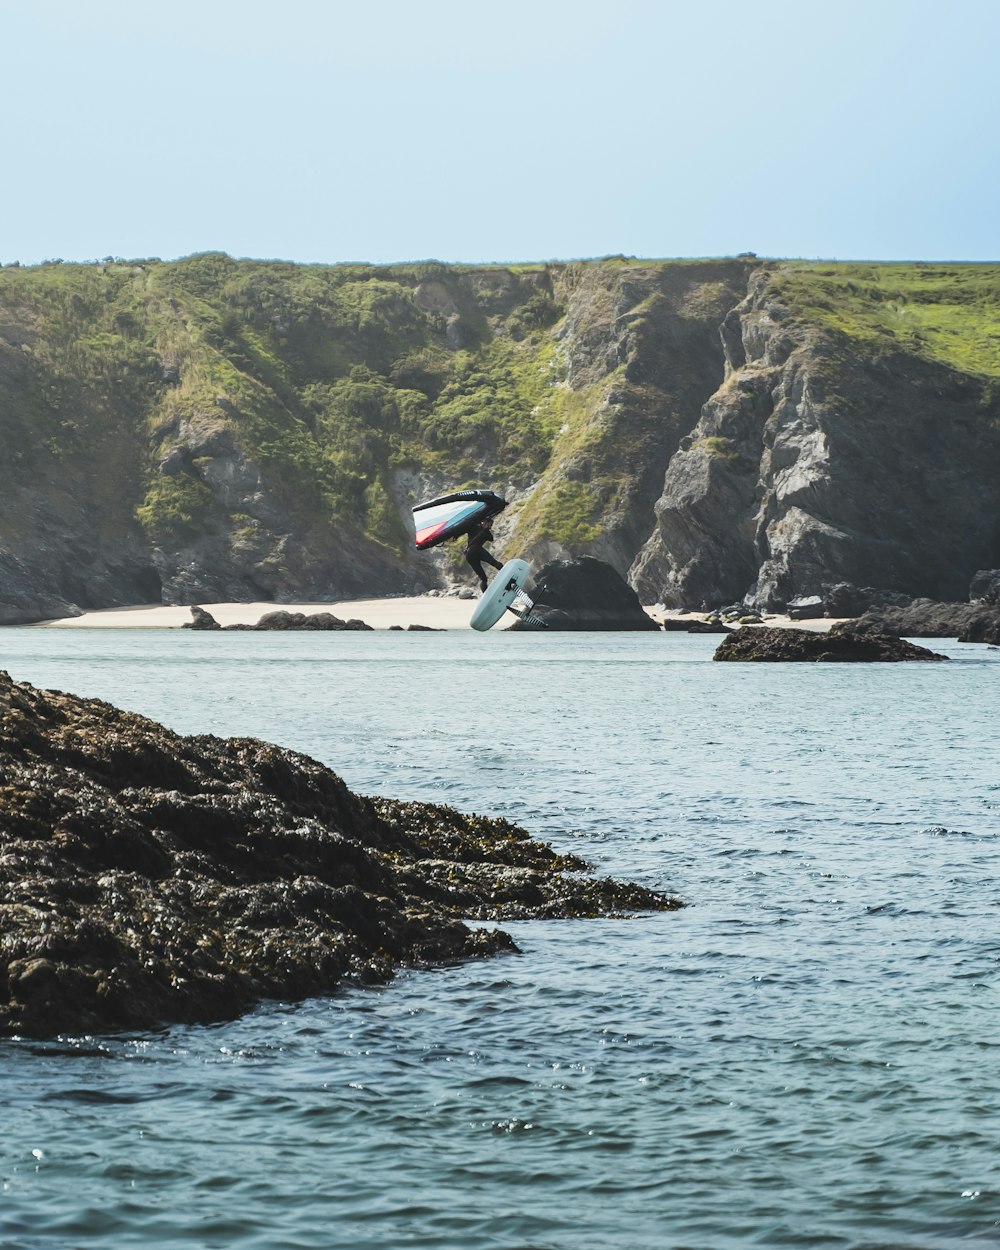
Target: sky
500, 130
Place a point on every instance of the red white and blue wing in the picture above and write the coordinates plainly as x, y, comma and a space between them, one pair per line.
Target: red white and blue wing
437, 522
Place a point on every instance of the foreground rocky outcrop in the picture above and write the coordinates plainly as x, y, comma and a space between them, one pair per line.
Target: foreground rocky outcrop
585, 594
148, 878
767, 643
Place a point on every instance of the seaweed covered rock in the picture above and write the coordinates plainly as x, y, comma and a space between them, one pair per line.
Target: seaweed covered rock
586, 594
764, 643
148, 878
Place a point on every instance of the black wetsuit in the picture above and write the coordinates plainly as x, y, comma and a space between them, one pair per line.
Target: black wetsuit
476, 553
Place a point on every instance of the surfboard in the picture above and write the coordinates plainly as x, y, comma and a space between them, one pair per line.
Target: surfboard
500, 594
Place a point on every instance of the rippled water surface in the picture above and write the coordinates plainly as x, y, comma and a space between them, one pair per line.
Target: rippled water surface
807, 1055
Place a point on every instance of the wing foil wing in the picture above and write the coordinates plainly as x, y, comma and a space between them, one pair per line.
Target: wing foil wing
437, 522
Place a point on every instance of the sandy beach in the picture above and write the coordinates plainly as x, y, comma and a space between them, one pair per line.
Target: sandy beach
429, 611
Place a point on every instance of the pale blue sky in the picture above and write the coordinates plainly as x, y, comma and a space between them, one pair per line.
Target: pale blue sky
383, 130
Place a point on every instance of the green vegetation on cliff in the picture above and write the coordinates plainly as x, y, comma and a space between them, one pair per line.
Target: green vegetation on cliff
949, 314
329, 378
239, 402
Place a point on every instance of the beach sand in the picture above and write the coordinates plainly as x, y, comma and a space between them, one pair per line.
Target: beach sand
430, 611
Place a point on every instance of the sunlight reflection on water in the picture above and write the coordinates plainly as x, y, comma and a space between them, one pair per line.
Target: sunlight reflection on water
804, 1056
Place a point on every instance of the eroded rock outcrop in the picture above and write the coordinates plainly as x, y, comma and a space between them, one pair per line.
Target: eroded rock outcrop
823, 459
149, 878
585, 594
768, 643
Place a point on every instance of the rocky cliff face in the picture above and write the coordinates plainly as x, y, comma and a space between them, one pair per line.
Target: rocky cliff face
822, 460
640, 349
210, 429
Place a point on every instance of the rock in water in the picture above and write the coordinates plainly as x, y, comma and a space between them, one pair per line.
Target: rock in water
586, 594
983, 629
755, 642
148, 878
278, 620
200, 619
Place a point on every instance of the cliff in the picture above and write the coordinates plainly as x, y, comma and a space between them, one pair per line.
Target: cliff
855, 438
212, 429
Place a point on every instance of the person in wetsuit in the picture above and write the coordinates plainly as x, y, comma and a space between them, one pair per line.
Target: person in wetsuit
475, 551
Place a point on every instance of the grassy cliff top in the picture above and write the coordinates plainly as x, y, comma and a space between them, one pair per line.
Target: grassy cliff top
948, 313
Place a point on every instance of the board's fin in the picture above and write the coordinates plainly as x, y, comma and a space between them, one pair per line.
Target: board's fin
530, 619
522, 606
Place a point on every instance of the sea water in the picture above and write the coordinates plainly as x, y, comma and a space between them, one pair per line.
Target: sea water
807, 1055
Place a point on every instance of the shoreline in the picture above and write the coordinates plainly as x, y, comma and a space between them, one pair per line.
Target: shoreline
437, 612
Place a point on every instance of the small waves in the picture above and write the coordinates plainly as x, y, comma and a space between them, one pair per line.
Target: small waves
804, 1056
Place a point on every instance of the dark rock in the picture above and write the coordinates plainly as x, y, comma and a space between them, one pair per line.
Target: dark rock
982, 629
765, 643
925, 618
201, 620
846, 599
985, 587
148, 878
806, 608
586, 594
25, 598
693, 625
278, 620
282, 619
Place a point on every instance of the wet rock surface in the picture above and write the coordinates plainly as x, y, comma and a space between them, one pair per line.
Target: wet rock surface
148, 878
764, 643
585, 594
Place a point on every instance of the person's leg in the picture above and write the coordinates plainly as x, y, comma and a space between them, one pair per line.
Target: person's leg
474, 557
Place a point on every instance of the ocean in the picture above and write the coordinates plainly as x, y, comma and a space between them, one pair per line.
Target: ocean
807, 1055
